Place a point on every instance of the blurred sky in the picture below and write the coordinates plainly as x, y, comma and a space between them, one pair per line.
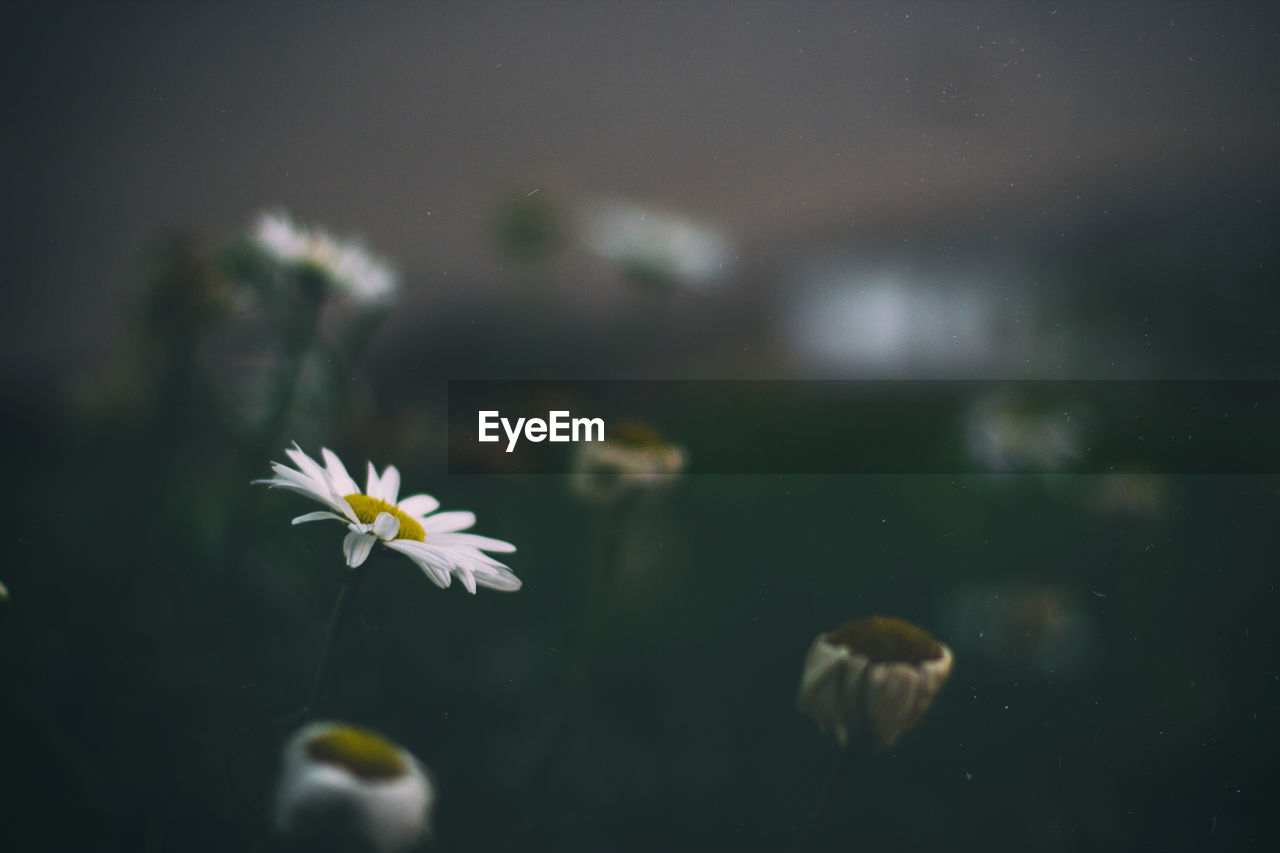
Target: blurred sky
406, 123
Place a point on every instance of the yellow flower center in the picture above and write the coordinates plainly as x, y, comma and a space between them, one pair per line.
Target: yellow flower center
367, 755
887, 640
367, 510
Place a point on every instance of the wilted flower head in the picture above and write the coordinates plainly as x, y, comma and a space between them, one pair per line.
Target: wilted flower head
634, 456
872, 679
350, 789
657, 248
345, 267
410, 526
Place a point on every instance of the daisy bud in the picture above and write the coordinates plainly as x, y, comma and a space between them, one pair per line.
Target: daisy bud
872, 679
350, 789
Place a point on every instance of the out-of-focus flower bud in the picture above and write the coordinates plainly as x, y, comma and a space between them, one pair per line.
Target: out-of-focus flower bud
634, 457
346, 788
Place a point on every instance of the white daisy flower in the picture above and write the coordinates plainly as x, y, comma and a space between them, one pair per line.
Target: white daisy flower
433, 541
345, 265
347, 788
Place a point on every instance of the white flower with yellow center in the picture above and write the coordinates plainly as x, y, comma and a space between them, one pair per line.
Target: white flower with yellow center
347, 788
345, 265
411, 526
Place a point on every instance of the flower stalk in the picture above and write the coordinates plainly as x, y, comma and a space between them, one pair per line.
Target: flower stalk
341, 606
849, 755
301, 338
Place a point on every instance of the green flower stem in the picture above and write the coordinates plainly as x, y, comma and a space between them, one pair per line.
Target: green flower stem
299, 340
599, 617
848, 757
346, 352
602, 581
340, 607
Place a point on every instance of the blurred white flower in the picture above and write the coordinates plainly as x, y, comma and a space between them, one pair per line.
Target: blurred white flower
346, 266
872, 679
433, 542
633, 457
657, 247
877, 313
887, 324
346, 788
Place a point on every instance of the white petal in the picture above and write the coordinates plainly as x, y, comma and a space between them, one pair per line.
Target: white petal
473, 558
447, 522
425, 560
341, 505
481, 556
356, 546
463, 553
386, 526
439, 557
373, 483
487, 571
468, 579
295, 481
285, 474
342, 481
474, 541
305, 463
497, 578
418, 505
306, 491
317, 516
390, 484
